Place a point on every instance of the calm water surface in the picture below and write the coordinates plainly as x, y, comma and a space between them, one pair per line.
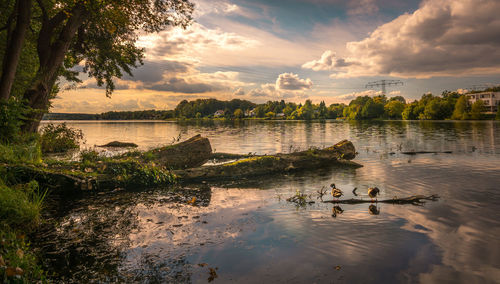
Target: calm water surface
248, 233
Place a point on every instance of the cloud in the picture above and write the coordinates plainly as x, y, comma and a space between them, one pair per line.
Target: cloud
328, 61
290, 81
441, 38
197, 39
287, 86
239, 92
362, 7
179, 85
346, 98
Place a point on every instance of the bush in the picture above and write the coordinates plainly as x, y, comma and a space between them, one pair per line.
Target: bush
60, 138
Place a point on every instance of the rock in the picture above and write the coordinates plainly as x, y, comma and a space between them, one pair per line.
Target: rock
119, 144
193, 152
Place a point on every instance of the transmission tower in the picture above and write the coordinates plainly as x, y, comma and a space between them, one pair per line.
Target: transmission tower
383, 84
479, 87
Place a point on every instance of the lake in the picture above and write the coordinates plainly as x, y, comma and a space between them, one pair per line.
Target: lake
246, 232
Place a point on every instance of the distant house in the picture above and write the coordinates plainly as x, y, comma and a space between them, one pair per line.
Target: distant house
219, 113
491, 100
281, 115
250, 113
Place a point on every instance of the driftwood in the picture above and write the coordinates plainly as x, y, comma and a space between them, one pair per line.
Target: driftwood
425, 152
336, 155
415, 200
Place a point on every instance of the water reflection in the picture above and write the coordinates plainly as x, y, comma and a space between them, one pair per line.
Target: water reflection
248, 230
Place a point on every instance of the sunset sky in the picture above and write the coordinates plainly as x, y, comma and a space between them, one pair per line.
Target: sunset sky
328, 50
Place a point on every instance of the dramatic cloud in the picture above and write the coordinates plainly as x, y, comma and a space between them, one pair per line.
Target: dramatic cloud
328, 61
441, 38
288, 86
188, 43
292, 82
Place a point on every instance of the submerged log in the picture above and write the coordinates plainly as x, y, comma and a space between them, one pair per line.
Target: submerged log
415, 200
336, 155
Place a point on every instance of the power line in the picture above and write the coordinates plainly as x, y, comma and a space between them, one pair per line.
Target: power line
383, 84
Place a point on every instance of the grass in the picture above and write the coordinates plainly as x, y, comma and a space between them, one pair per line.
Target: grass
27, 152
20, 207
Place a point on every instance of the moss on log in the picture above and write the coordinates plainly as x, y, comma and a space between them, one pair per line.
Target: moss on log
154, 168
336, 155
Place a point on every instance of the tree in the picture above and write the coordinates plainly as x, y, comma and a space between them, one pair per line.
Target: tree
260, 111
497, 117
408, 112
372, 109
306, 112
288, 111
398, 98
238, 113
14, 44
461, 108
100, 34
476, 109
394, 109
322, 110
435, 109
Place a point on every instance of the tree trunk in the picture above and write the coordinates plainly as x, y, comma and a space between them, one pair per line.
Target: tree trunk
51, 56
14, 47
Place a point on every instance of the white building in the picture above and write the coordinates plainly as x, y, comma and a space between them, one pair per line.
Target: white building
219, 113
491, 100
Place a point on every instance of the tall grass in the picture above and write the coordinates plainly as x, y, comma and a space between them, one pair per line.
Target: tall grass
27, 151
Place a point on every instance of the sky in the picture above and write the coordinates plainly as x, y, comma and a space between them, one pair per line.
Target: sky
323, 50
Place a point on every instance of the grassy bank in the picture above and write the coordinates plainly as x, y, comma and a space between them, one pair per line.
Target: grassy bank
20, 207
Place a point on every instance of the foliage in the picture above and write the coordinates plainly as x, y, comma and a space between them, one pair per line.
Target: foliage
89, 156
238, 113
59, 138
25, 150
461, 109
20, 205
11, 113
435, 109
476, 109
394, 109
497, 117
133, 173
409, 112
15, 252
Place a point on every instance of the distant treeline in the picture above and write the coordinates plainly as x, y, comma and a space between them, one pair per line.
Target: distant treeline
113, 115
449, 105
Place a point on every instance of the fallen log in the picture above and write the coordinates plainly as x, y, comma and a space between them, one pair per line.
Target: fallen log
415, 200
154, 168
339, 154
